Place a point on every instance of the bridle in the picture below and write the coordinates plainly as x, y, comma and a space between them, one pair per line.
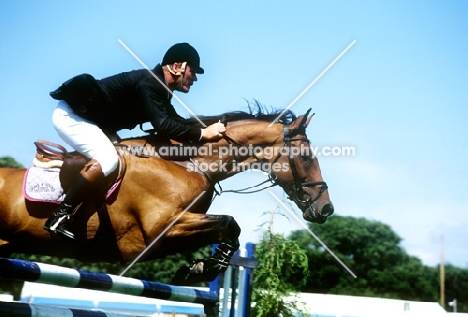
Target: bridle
297, 190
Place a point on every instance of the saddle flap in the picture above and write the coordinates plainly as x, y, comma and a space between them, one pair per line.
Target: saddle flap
42, 185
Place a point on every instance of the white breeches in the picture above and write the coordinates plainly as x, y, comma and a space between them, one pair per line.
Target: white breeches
85, 137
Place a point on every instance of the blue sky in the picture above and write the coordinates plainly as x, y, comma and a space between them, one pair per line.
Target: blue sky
398, 95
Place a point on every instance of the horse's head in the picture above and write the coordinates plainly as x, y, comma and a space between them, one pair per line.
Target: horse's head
284, 153
302, 179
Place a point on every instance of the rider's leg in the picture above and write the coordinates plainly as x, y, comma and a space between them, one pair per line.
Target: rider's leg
88, 139
86, 185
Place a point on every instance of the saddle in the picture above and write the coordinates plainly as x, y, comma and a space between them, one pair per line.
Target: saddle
54, 161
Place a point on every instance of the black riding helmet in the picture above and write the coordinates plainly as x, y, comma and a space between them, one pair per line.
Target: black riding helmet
183, 52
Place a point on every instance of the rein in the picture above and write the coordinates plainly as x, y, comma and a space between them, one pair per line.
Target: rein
247, 189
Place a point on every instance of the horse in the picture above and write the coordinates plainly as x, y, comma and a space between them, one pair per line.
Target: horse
161, 204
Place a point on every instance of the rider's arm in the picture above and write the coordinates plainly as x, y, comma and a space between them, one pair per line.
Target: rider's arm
163, 116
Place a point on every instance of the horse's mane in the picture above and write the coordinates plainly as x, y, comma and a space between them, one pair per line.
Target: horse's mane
256, 111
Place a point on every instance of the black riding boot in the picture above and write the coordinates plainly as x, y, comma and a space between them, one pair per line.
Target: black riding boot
85, 186
61, 220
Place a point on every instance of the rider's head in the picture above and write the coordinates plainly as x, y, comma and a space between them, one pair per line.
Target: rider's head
183, 63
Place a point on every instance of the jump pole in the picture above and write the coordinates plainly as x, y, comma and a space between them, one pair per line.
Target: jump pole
56, 275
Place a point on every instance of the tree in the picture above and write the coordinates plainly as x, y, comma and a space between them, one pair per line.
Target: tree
8, 161
282, 266
372, 250
456, 286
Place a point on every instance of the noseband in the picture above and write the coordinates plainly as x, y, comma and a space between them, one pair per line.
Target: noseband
298, 188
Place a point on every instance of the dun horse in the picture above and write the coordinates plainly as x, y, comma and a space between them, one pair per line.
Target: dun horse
159, 198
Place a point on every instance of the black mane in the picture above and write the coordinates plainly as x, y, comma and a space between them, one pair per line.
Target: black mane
256, 112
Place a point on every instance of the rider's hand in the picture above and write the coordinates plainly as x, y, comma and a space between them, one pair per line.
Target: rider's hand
213, 132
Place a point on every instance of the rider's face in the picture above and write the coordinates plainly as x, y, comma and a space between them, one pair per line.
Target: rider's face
187, 79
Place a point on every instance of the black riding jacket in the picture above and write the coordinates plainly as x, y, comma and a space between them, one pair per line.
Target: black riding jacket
130, 98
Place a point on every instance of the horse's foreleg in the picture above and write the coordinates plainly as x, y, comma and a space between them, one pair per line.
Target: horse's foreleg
223, 230
219, 261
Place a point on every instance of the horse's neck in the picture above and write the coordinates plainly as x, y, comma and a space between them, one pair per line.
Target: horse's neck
241, 147
255, 132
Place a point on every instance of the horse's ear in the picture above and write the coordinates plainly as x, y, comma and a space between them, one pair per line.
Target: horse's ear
299, 125
306, 119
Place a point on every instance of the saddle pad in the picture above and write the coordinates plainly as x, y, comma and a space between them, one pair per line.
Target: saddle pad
43, 184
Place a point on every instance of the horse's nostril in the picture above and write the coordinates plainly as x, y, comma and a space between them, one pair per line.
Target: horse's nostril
327, 210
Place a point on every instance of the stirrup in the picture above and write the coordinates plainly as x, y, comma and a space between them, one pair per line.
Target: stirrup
61, 229
52, 223
67, 233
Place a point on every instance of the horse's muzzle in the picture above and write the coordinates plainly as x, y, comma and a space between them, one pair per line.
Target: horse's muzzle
313, 215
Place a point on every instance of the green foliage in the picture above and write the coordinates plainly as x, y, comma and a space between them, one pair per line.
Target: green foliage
8, 161
371, 249
456, 286
283, 265
163, 270
282, 268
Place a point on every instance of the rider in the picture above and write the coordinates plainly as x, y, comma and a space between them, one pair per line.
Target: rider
87, 107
